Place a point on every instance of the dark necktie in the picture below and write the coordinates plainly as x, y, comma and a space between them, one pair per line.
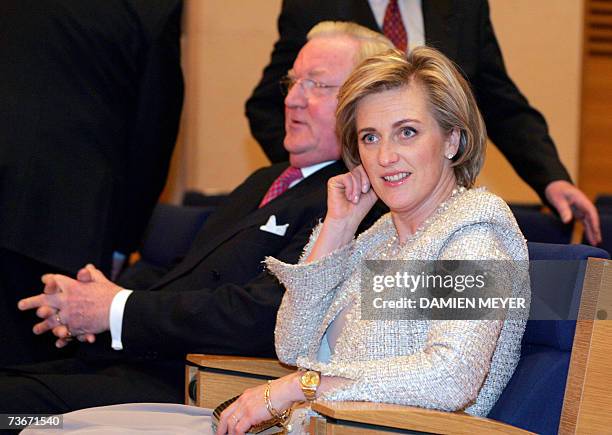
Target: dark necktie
393, 26
281, 184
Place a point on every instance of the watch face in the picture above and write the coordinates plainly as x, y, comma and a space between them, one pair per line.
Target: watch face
310, 379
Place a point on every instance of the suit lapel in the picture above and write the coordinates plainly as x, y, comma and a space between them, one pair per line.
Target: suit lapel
243, 213
260, 216
440, 24
216, 229
227, 225
242, 205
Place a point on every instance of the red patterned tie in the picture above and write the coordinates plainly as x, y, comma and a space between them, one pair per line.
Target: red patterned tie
281, 184
393, 26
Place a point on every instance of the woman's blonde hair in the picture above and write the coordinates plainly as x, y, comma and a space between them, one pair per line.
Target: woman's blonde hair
450, 99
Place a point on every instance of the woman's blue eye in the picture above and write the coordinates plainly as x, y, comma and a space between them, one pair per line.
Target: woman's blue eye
407, 132
368, 138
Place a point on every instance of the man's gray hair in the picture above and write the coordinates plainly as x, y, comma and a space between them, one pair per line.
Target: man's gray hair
370, 42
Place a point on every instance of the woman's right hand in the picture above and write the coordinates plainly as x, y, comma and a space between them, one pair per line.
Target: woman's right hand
349, 199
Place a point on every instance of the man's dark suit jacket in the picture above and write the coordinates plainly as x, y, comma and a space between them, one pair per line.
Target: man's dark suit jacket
462, 30
221, 299
218, 299
91, 94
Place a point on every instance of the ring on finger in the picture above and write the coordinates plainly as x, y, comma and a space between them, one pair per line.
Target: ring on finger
234, 419
58, 318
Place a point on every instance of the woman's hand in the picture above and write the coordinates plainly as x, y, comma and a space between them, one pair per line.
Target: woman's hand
250, 408
349, 199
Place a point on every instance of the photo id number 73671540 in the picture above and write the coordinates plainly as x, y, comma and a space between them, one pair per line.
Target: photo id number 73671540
21, 421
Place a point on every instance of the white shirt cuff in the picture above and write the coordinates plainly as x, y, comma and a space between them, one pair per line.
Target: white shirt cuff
116, 317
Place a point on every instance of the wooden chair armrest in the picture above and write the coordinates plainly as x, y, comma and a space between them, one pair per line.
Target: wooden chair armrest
243, 364
213, 379
587, 401
403, 417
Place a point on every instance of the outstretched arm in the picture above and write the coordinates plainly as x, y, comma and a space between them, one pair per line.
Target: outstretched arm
517, 129
521, 134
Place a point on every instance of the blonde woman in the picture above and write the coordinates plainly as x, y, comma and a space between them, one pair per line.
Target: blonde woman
412, 133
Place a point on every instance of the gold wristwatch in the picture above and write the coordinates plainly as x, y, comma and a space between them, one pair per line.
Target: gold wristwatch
309, 382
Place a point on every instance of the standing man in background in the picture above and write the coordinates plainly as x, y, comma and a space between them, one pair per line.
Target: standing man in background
462, 30
91, 97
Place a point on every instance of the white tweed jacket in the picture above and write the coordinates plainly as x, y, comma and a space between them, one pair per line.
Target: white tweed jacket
441, 364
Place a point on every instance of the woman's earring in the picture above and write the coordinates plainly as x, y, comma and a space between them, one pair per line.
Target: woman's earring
450, 156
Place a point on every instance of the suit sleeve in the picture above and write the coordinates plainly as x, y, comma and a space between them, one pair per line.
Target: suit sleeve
154, 131
265, 107
517, 129
229, 319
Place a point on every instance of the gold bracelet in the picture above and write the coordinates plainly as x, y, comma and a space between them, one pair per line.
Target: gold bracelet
280, 416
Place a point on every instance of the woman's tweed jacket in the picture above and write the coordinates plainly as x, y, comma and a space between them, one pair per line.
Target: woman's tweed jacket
447, 365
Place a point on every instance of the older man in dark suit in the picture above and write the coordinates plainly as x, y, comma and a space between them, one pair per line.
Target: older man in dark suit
218, 299
462, 30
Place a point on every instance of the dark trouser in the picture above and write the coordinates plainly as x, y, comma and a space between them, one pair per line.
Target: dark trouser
66, 385
20, 278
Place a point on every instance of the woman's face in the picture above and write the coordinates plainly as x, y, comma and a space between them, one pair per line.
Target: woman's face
404, 151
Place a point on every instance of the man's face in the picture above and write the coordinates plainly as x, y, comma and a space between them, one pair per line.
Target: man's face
310, 114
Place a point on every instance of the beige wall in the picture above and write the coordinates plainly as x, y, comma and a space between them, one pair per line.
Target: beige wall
228, 42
